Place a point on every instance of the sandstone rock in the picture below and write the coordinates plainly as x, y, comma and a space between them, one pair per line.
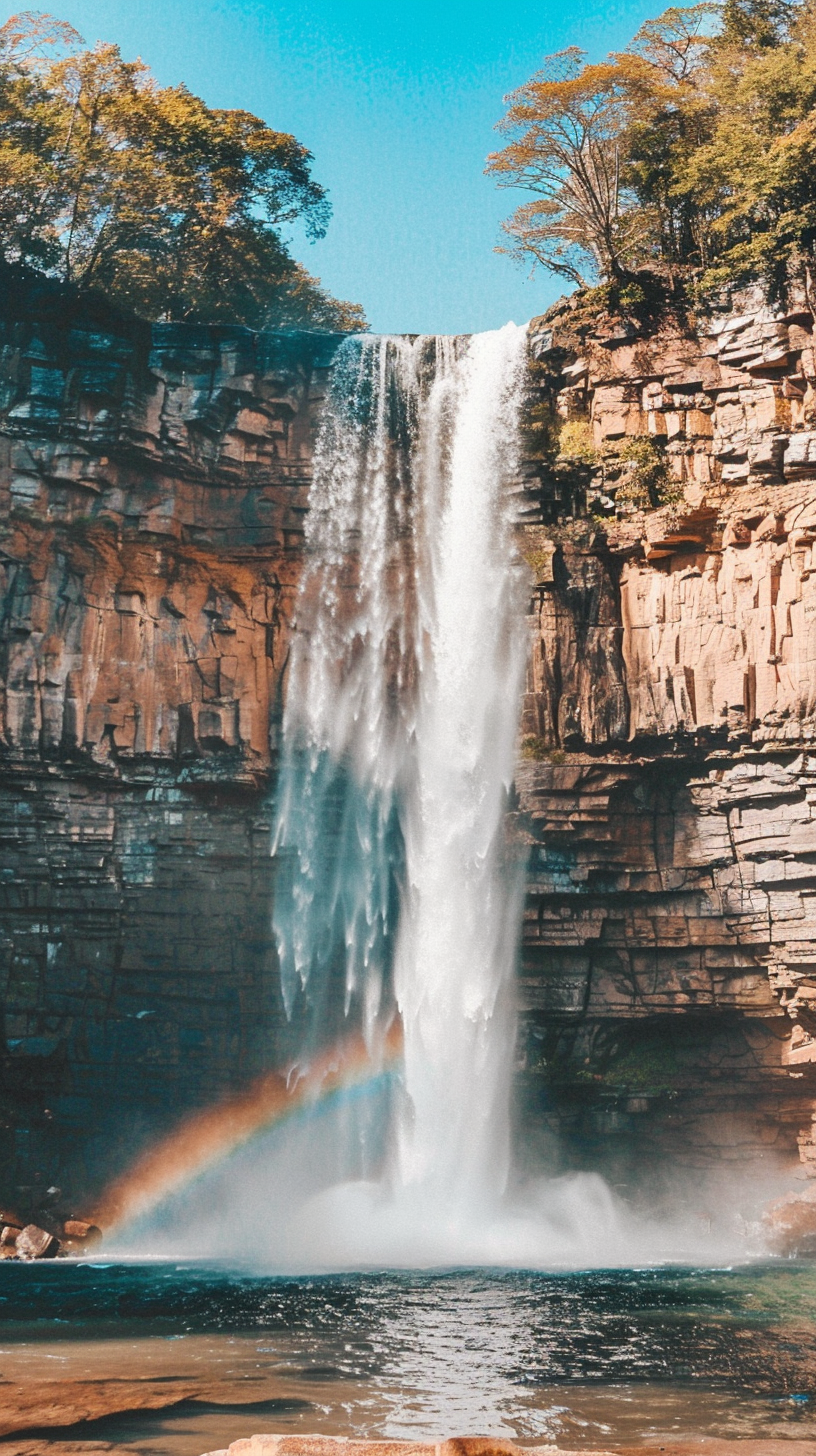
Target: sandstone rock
81, 1231
39, 1405
666, 797
306, 1445
148, 573
709, 654
286, 1445
789, 1226
36, 1243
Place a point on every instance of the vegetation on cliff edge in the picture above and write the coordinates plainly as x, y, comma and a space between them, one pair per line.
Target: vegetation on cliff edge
169, 207
693, 150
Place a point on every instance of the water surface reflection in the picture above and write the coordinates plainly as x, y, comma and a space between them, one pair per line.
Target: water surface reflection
584, 1359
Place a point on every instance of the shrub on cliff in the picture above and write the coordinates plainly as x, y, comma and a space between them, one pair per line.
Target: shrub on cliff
693, 150
170, 207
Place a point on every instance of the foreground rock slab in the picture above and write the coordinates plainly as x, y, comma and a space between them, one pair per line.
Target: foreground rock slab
33, 1242
488, 1446
64, 1403
68, 1448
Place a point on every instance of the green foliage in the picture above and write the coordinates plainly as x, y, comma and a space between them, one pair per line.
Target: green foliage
707, 127
576, 442
647, 482
536, 547
172, 208
645, 1068
631, 297
538, 750
759, 24
539, 422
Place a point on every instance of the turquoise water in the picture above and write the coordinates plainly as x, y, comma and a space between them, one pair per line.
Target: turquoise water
625, 1356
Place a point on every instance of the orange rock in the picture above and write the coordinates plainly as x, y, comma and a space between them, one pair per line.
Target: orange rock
81, 1231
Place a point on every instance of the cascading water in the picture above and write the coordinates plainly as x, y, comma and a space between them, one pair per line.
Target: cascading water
400, 727
395, 901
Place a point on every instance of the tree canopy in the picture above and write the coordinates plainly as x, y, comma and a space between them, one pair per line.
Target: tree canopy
694, 148
172, 208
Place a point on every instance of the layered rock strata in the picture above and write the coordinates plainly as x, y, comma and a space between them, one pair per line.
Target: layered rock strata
153, 486
669, 787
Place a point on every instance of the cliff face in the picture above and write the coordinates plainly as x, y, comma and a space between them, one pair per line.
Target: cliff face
669, 787
153, 487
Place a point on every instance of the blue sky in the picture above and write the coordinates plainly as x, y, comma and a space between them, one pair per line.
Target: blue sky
398, 103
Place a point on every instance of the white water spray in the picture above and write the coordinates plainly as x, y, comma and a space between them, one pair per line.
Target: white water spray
459, 920
399, 745
404, 684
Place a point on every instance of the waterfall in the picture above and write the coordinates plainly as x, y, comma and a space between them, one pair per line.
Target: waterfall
397, 902
397, 899
399, 737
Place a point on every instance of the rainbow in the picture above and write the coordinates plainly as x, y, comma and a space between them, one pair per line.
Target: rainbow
205, 1138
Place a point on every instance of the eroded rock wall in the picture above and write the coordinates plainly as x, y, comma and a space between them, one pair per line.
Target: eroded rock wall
153, 486
669, 788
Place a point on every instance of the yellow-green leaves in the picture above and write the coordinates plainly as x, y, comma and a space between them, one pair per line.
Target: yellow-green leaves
171, 207
566, 128
694, 147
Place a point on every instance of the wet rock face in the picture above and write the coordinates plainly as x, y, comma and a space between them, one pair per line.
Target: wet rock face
153, 485
576, 689
669, 788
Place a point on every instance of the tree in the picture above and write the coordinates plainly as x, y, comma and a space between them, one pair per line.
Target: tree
567, 126
756, 24
756, 172
602, 144
695, 148
664, 71
171, 207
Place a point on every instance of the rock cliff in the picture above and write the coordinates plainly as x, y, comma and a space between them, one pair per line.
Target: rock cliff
668, 787
153, 486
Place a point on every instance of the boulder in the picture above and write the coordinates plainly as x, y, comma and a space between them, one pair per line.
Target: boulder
789, 1225
36, 1243
80, 1231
